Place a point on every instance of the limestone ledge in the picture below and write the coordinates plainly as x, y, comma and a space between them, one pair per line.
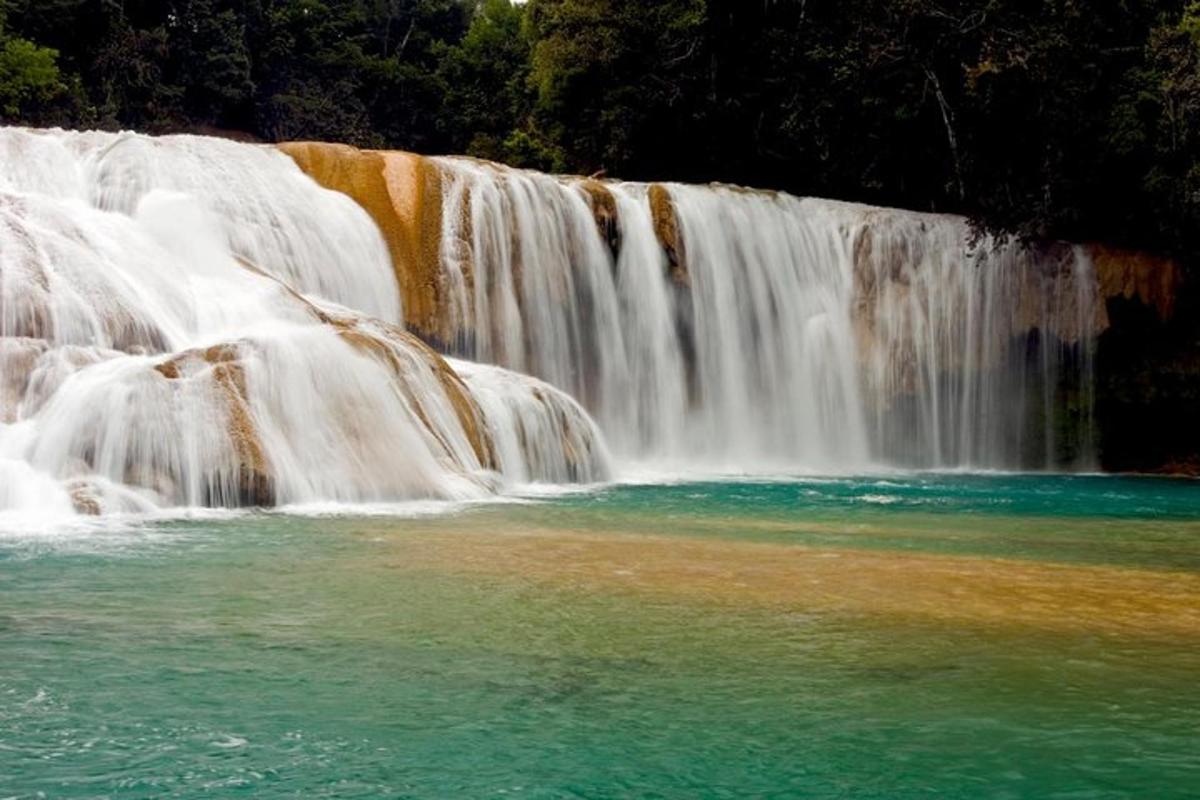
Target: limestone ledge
1153, 280
403, 193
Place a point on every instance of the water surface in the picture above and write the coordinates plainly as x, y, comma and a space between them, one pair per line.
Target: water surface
899, 636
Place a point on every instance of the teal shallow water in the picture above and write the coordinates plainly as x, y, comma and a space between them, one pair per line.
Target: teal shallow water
631, 642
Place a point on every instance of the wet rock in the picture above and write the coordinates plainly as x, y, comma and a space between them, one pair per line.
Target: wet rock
18, 356
85, 498
1153, 280
255, 485
667, 229
604, 209
396, 348
403, 194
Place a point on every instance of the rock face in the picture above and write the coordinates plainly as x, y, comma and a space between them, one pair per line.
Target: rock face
604, 208
1152, 280
667, 229
1147, 363
538, 433
402, 352
221, 366
402, 193
18, 357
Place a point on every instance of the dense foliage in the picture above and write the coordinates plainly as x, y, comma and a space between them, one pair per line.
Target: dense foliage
1067, 118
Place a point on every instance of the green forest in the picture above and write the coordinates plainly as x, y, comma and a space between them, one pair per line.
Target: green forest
1064, 118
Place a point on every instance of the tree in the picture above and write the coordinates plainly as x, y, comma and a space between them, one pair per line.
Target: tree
486, 76
308, 72
404, 88
210, 57
615, 81
1170, 94
29, 75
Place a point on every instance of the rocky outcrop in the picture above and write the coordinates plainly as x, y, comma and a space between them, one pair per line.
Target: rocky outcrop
221, 364
402, 193
1147, 366
668, 231
604, 209
1154, 281
18, 357
401, 352
539, 432
86, 499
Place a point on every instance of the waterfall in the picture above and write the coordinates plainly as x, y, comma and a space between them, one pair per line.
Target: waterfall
186, 321
191, 322
751, 330
539, 433
319, 242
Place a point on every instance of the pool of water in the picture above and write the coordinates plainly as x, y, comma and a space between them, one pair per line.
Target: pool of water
884, 637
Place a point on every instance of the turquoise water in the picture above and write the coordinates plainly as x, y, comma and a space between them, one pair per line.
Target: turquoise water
1106, 520
640, 641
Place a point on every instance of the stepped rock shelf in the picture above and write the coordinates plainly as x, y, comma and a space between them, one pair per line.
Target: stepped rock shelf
189, 321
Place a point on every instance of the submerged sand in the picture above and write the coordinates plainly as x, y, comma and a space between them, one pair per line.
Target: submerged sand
987, 591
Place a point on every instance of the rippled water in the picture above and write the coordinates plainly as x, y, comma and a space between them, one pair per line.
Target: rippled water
912, 636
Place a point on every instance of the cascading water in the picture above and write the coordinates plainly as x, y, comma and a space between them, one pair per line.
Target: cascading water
773, 331
182, 324
319, 242
538, 432
188, 321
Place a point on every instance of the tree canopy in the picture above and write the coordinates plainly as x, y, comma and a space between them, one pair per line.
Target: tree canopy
1063, 118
